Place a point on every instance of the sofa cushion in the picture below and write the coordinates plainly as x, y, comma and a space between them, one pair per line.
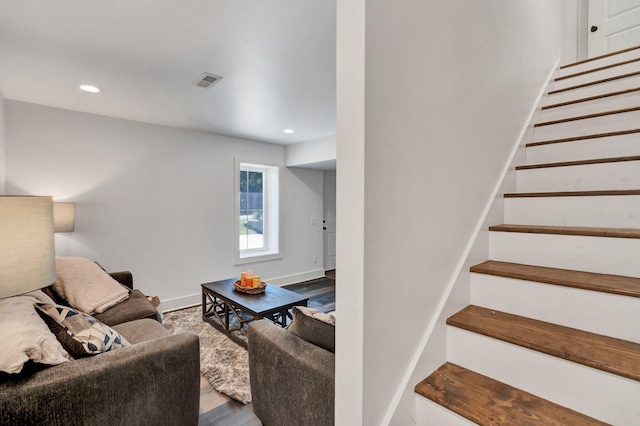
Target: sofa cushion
86, 286
135, 307
24, 336
88, 335
141, 330
314, 326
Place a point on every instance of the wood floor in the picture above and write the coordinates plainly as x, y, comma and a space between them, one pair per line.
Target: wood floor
218, 409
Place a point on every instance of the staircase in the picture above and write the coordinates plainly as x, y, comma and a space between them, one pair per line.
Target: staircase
552, 335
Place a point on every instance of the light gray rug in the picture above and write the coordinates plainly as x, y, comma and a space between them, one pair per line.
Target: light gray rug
223, 362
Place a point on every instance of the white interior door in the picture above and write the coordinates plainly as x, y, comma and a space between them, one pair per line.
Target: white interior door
613, 25
329, 221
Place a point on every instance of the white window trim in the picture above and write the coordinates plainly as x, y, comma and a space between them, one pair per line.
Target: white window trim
273, 186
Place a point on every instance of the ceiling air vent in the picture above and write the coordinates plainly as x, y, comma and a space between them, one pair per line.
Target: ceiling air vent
206, 80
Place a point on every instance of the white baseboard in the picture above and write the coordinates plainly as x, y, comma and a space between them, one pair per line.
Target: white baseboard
297, 278
196, 299
182, 302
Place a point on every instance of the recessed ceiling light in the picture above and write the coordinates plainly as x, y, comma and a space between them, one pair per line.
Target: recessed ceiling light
89, 88
289, 131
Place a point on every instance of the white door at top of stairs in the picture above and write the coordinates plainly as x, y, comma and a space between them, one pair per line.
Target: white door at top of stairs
613, 25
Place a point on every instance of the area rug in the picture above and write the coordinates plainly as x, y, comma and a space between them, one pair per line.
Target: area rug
223, 362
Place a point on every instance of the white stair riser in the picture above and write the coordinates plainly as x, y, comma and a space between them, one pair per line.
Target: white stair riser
593, 90
601, 313
586, 177
428, 413
601, 395
610, 103
619, 211
587, 149
609, 60
597, 75
618, 256
603, 124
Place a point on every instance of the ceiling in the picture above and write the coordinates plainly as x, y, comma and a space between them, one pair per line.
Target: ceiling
276, 57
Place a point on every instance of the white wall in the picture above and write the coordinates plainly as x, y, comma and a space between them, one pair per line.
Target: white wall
314, 153
449, 85
156, 200
2, 145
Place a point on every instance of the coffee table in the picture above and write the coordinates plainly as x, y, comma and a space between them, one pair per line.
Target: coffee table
231, 311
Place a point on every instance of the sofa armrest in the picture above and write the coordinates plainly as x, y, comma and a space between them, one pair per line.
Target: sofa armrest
124, 277
292, 380
156, 382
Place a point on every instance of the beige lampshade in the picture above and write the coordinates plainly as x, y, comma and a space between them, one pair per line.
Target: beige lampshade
64, 217
27, 251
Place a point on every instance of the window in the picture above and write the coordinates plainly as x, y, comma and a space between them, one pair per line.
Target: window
257, 219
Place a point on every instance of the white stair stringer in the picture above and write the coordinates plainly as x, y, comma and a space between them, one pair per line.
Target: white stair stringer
606, 211
602, 124
626, 145
601, 313
609, 103
584, 177
598, 63
604, 396
604, 255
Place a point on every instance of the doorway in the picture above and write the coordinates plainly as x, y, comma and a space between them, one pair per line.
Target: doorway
329, 220
613, 25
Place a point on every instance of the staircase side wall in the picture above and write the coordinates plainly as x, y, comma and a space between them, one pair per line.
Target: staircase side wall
449, 87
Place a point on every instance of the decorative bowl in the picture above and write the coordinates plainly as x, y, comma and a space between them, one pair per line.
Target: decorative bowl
250, 290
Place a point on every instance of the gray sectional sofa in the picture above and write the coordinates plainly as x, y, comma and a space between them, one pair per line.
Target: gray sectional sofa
155, 381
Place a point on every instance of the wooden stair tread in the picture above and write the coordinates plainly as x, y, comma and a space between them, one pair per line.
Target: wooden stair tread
609, 192
569, 230
580, 163
595, 58
590, 98
586, 117
604, 353
617, 64
596, 82
486, 401
584, 137
605, 283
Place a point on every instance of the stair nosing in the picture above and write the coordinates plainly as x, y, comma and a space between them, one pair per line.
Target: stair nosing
590, 98
588, 116
515, 334
581, 231
584, 137
599, 193
591, 281
606, 55
486, 391
580, 162
617, 64
593, 83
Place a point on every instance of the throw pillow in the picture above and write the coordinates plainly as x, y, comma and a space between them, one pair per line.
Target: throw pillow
80, 334
314, 326
86, 285
24, 336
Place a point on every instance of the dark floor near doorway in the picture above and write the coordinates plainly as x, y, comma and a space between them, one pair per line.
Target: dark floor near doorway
321, 293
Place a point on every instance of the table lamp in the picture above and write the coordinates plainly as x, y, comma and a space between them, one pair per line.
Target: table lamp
27, 251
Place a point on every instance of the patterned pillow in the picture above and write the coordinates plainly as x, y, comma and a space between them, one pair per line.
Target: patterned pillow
80, 334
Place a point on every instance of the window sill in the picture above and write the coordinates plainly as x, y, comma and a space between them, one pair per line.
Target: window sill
254, 257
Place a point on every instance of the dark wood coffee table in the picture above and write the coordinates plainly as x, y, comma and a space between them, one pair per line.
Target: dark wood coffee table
231, 311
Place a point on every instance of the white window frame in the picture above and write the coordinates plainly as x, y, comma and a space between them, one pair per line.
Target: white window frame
272, 213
